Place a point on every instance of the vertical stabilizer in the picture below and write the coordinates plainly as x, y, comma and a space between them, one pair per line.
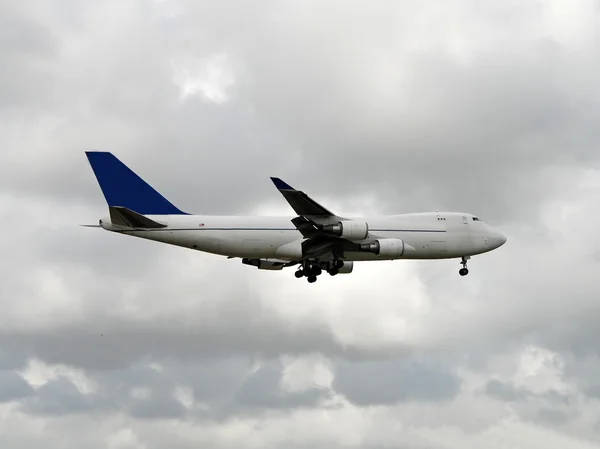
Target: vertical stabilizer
123, 188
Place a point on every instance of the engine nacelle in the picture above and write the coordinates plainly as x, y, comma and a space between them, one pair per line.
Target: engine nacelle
351, 230
388, 248
347, 267
263, 264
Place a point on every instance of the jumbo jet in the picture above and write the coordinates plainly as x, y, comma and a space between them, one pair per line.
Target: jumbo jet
314, 240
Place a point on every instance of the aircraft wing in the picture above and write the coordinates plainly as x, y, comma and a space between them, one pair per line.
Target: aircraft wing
300, 201
310, 220
306, 226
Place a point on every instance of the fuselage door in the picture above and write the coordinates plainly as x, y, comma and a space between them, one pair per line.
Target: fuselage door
437, 243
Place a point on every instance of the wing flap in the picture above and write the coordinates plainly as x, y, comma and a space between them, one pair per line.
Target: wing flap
305, 226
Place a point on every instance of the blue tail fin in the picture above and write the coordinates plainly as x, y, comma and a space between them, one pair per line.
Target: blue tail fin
122, 187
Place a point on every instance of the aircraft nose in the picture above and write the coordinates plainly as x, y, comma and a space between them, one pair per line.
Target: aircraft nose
498, 239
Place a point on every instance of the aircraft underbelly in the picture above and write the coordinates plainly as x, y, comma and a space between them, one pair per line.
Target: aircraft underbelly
256, 247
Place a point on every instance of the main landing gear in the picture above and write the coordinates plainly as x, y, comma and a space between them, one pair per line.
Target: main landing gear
464, 270
312, 269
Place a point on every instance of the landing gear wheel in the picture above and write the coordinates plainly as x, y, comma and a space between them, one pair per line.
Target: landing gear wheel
338, 264
333, 271
463, 271
310, 269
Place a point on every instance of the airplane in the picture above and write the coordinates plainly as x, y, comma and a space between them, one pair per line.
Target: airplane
315, 239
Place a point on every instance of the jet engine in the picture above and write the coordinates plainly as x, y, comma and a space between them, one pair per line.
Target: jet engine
347, 267
263, 264
351, 230
388, 248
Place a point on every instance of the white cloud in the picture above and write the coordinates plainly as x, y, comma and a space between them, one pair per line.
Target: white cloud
211, 77
540, 371
307, 372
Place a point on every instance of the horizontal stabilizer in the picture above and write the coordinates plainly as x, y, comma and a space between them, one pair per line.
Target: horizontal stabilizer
122, 187
126, 217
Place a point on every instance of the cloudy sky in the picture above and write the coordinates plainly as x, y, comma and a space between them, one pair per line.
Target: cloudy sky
371, 107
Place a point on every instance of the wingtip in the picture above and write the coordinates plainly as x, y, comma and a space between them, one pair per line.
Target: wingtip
281, 185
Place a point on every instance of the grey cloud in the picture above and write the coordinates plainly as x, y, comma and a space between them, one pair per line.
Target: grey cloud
522, 113
59, 397
13, 386
506, 391
25, 42
553, 417
12, 359
115, 394
212, 381
582, 368
339, 101
515, 94
224, 386
162, 407
395, 380
593, 391
221, 388
261, 390
196, 319
577, 337
120, 342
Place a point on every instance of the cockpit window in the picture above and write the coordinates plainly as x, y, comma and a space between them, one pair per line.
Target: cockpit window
476, 219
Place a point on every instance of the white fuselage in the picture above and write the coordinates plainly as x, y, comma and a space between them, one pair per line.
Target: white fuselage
428, 235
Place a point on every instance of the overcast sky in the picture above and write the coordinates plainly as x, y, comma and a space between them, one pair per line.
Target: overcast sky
372, 108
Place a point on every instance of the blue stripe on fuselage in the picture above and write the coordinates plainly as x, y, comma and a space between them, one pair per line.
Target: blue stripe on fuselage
280, 229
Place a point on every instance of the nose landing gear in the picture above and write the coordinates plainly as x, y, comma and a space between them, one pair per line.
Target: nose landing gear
464, 270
